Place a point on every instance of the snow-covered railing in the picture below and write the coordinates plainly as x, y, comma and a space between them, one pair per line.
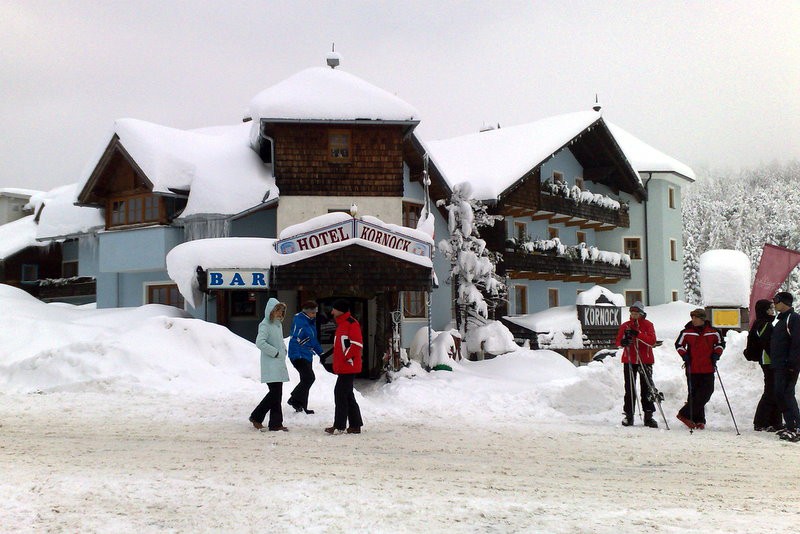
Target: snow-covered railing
581, 251
579, 196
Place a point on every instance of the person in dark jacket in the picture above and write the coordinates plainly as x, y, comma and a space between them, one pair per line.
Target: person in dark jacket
347, 347
637, 338
785, 355
768, 415
303, 344
699, 345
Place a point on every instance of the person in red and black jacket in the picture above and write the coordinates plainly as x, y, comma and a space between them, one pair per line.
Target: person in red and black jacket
637, 338
347, 347
699, 345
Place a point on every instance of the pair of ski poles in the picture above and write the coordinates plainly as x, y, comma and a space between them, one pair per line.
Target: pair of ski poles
719, 377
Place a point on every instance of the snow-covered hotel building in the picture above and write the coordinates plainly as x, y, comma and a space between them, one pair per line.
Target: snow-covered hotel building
264, 207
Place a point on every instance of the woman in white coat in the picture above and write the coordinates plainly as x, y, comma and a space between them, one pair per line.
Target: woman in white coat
273, 366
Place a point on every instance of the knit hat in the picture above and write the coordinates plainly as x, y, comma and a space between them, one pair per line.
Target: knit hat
637, 306
341, 305
784, 297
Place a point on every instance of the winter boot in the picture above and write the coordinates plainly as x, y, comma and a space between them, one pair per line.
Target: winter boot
628, 421
686, 421
649, 421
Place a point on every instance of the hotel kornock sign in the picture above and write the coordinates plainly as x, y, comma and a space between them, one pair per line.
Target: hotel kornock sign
350, 229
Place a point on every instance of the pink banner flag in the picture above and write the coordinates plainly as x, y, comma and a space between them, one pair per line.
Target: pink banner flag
775, 265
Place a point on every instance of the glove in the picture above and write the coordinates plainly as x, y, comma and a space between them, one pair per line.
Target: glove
625, 341
714, 359
631, 332
686, 359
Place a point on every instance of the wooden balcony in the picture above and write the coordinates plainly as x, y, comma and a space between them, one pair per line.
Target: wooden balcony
546, 266
558, 209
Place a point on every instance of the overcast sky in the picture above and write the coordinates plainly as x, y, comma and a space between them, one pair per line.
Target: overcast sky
713, 84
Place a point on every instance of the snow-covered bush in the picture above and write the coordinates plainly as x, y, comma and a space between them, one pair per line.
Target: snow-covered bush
492, 337
581, 251
579, 196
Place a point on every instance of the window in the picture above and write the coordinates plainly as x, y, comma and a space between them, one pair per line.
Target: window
674, 296
552, 232
69, 269
520, 300
520, 231
411, 214
558, 177
673, 250
243, 304
30, 272
552, 297
579, 183
339, 149
134, 210
633, 247
633, 296
167, 294
413, 304
581, 237
672, 197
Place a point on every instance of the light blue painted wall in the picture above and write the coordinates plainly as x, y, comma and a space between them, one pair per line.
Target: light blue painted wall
664, 224
143, 249
88, 256
70, 250
565, 163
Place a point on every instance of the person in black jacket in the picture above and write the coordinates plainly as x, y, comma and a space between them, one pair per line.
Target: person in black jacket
768, 415
785, 355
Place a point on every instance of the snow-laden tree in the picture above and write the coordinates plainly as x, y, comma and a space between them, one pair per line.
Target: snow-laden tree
743, 212
472, 269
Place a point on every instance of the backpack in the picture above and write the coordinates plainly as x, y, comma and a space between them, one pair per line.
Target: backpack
752, 352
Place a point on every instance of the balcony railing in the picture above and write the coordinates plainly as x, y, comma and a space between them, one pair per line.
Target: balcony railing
584, 214
550, 266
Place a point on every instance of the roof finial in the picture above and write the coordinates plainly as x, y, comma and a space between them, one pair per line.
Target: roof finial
332, 59
597, 107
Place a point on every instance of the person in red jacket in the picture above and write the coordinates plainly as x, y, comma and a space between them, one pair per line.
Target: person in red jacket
700, 345
347, 347
637, 338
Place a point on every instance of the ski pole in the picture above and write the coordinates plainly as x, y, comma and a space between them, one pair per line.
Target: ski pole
726, 400
653, 391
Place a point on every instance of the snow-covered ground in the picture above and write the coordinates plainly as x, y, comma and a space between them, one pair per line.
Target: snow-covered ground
136, 420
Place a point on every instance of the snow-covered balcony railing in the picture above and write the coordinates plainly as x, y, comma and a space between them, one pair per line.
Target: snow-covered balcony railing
552, 260
585, 208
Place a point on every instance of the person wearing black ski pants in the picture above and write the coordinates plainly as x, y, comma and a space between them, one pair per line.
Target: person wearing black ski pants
270, 403
346, 407
631, 371
700, 387
785, 355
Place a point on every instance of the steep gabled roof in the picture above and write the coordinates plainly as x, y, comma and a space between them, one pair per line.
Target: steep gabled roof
325, 94
222, 174
58, 217
645, 158
494, 161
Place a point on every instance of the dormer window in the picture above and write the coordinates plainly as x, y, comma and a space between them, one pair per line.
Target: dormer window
136, 209
339, 146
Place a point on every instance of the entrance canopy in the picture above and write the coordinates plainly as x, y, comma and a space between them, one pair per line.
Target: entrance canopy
330, 253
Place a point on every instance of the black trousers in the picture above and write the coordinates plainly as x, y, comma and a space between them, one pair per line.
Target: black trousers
346, 406
270, 403
631, 371
768, 413
700, 387
299, 395
785, 383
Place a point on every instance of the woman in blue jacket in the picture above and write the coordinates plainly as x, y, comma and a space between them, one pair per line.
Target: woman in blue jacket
303, 344
273, 366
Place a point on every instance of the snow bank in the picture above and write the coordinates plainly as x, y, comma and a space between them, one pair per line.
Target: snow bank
590, 296
725, 277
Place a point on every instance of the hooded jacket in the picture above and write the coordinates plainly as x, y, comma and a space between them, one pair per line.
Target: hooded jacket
700, 343
273, 351
641, 348
347, 345
758, 339
303, 338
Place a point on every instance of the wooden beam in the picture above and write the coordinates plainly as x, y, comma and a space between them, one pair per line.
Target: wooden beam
556, 219
575, 221
541, 215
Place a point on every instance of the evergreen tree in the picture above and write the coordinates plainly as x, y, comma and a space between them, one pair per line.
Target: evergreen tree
473, 268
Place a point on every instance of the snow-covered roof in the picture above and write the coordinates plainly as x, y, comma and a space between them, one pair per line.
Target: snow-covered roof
60, 217
494, 160
18, 235
645, 158
322, 93
223, 174
18, 192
